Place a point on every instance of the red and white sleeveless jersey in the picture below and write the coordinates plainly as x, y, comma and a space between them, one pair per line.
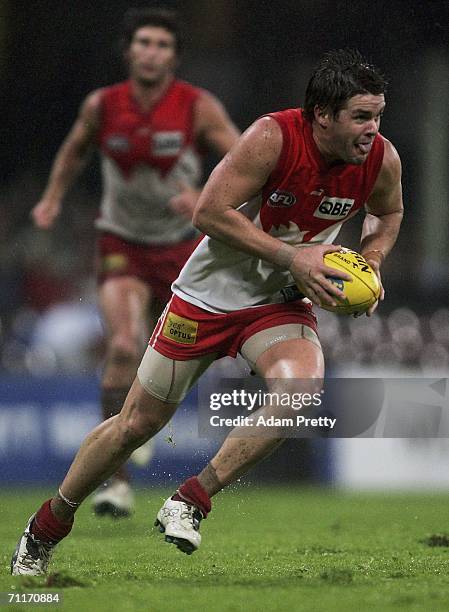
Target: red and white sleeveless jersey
145, 156
304, 202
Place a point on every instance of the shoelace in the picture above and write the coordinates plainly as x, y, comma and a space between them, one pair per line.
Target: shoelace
187, 514
192, 514
36, 550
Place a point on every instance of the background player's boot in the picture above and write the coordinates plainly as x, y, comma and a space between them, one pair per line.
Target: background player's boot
114, 498
143, 455
180, 522
32, 556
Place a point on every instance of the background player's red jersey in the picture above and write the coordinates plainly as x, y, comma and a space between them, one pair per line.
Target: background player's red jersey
146, 156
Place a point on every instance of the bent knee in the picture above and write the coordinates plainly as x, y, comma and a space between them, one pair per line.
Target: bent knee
138, 427
295, 388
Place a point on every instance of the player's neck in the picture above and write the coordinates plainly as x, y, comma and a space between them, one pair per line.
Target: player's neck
147, 94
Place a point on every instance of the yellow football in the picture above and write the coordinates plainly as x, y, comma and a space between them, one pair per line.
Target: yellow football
364, 289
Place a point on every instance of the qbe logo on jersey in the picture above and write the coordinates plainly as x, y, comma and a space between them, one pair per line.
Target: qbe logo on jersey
334, 208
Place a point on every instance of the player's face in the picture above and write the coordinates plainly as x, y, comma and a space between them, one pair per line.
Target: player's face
350, 135
151, 55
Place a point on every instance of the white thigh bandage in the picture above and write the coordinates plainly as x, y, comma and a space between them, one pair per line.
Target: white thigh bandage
168, 379
253, 348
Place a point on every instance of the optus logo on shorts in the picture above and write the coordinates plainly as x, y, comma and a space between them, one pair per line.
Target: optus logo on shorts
179, 329
115, 262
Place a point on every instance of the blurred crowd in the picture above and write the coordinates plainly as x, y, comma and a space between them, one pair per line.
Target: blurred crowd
48, 318
400, 341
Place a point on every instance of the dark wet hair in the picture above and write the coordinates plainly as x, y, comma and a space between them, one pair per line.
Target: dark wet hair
340, 75
136, 18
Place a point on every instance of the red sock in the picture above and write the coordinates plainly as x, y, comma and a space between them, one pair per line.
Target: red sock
193, 493
47, 527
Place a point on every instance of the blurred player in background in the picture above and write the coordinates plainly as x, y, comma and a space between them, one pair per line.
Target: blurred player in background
245, 287
149, 131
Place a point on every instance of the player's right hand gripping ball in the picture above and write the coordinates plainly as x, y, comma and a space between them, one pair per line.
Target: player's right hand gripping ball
364, 289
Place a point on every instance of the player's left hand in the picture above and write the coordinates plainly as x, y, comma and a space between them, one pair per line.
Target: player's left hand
185, 201
374, 259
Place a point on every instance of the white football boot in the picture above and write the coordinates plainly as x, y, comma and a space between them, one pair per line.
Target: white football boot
181, 523
114, 498
32, 556
143, 455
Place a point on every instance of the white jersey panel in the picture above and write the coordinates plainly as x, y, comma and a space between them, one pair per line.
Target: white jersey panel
136, 207
221, 279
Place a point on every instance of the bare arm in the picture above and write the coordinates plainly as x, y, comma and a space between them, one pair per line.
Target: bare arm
384, 212
69, 160
213, 126
214, 129
240, 176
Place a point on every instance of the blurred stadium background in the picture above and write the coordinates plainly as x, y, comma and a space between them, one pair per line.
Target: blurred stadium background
256, 56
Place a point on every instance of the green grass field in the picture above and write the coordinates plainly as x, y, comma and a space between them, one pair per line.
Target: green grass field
263, 549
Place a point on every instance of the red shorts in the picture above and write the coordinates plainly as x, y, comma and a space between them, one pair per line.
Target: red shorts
185, 331
156, 265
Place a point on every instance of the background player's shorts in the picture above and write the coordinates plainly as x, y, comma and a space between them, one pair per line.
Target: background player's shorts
185, 331
156, 265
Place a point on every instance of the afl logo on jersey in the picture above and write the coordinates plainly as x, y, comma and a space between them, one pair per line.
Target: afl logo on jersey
281, 199
118, 143
333, 208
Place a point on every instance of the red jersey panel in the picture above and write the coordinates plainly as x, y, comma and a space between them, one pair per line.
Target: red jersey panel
304, 189
145, 157
133, 137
